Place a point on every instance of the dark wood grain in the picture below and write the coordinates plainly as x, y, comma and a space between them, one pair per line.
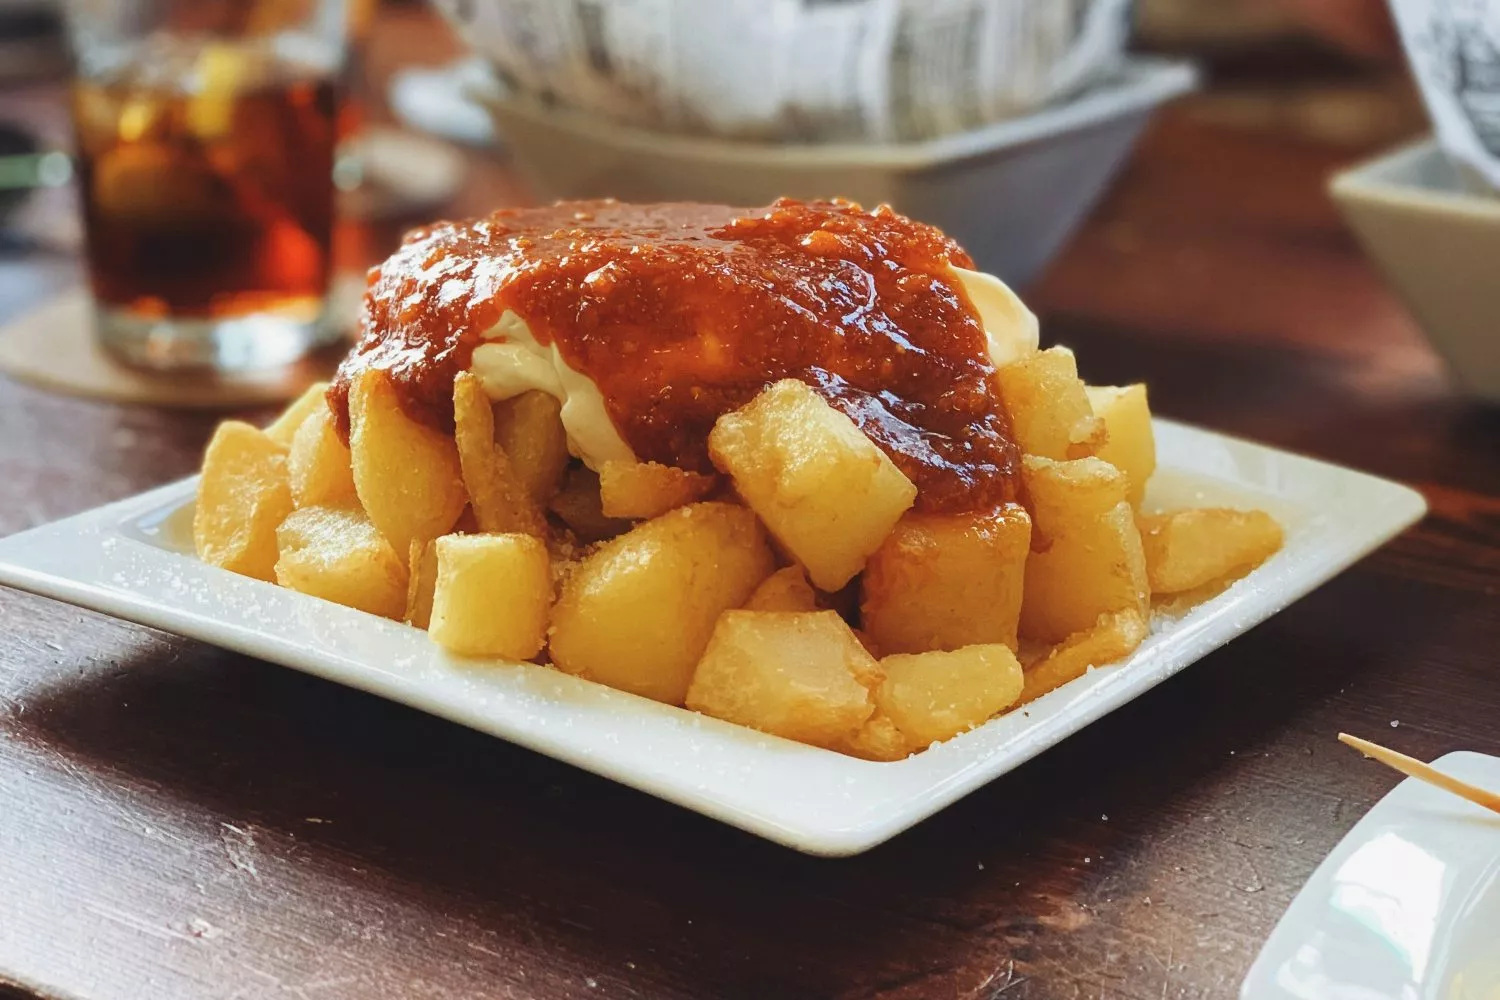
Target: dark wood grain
181, 822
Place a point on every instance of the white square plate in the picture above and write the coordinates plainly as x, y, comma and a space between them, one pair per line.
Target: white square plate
133, 559
1407, 907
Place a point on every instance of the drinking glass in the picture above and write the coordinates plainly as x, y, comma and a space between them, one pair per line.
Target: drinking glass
206, 133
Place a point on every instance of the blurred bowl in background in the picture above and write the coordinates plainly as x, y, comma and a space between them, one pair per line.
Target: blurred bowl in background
794, 71
1011, 193
1437, 242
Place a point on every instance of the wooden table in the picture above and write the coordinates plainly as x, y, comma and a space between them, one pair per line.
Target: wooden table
177, 821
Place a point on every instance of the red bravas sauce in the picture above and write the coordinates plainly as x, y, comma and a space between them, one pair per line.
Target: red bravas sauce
682, 312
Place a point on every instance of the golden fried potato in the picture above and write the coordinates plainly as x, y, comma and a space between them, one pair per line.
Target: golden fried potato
649, 489
1130, 444
944, 581
784, 590
313, 398
581, 508
318, 464
1049, 410
243, 494
337, 554
529, 429
821, 487
1113, 637
421, 580
1087, 559
935, 696
1186, 549
878, 739
498, 497
793, 674
637, 613
407, 475
492, 595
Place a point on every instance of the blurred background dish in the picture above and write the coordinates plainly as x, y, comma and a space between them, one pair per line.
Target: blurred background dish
788, 71
400, 173
447, 100
1011, 192
1437, 242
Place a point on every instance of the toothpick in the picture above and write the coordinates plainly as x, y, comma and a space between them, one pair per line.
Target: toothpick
1414, 768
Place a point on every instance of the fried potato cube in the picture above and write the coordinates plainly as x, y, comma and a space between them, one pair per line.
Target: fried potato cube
1113, 637
243, 494
318, 464
498, 497
337, 554
792, 674
935, 696
786, 589
1130, 443
1186, 549
947, 581
421, 580
1088, 557
407, 475
313, 398
1049, 411
529, 429
878, 739
637, 613
581, 507
821, 487
649, 489
491, 596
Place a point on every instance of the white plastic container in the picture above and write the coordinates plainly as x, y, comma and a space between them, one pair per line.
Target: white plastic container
1011, 193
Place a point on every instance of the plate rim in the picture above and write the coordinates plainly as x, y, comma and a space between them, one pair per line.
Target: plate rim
911, 790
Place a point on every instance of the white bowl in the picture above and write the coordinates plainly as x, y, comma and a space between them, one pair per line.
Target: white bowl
1437, 241
1011, 192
